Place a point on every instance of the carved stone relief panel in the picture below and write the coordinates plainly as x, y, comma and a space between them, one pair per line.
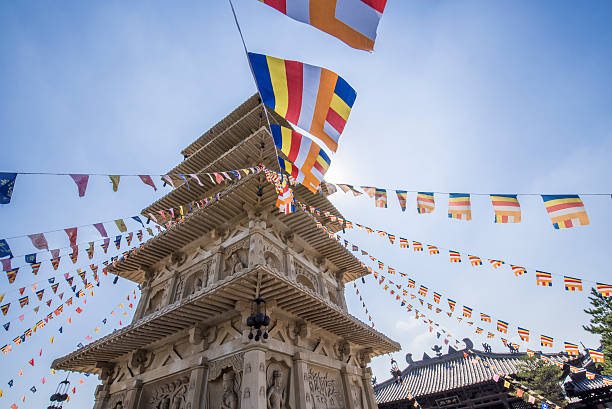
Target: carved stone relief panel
196, 279
273, 257
305, 277
278, 385
170, 395
180, 284
225, 382
235, 258
325, 388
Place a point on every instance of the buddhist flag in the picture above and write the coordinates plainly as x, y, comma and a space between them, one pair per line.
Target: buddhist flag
476, 261
23, 301
572, 284
311, 162
571, 349
546, 341
433, 249
12, 275
425, 202
523, 334
518, 271
596, 356
506, 208
455, 257
565, 211
459, 206
544, 279
105, 244
403, 243
346, 188
380, 198
451, 304
423, 291
478, 330
313, 98
4, 308
353, 22
411, 283
416, 246
467, 312
391, 237
402, 196
502, 326
604, 289
436, 297
496, 263
118, 242
484, 317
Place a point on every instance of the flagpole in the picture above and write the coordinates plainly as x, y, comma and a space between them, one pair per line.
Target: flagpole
246, 52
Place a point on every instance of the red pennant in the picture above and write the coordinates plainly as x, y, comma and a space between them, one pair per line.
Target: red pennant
31, 361
39, 241
146, 179
72, 235
81, 182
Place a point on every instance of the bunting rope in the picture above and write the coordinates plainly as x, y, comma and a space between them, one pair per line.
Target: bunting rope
8, 179
88, 337
502, 326
542, 278
565, 210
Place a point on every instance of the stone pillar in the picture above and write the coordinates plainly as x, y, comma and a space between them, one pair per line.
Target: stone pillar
216, 267
340, 290
132, 396
346, 387
369, 390
145, 293
256, 250
197, 385
302, 398
101, 397
254, 380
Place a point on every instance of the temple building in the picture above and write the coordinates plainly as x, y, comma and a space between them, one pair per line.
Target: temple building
454, 381
189, 345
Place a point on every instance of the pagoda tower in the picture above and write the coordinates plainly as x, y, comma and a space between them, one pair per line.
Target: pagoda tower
188, 346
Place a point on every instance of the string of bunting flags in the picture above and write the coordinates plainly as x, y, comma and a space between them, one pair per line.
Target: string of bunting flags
8, 179
596, 356
543, 278
467, 312
105, 321
87, 286
164, 219
565, 210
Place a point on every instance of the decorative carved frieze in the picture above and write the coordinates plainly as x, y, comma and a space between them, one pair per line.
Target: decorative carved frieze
171, 395
235, 362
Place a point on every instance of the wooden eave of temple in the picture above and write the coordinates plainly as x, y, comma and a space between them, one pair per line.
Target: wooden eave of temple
218, 302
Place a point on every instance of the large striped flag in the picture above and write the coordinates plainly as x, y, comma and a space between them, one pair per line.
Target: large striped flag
506, 208
312, 161
313, 98
502, 326
459, 206
352, 21
565, 211
425, 202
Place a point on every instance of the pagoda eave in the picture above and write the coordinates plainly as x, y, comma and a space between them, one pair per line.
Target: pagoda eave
218, 302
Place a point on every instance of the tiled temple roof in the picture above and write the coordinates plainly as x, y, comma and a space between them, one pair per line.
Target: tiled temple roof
445, 373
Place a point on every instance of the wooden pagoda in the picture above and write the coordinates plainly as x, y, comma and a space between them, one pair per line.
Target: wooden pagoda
188, 346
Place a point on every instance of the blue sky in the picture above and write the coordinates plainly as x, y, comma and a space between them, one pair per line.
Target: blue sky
489, 97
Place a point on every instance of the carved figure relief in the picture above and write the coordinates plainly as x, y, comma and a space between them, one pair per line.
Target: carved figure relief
276, 396
324, 390
272, 261
356, 394
172, 395
229, 400
197, 281
179, 289
234, 264
305, 281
